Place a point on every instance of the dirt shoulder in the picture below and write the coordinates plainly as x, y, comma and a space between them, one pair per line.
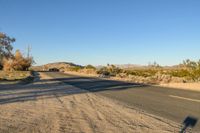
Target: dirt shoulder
184, 86
53, 107
14, 75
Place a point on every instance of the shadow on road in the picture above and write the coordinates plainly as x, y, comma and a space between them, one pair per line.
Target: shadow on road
59, 87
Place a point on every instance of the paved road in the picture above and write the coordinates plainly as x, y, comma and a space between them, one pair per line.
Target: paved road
173, 104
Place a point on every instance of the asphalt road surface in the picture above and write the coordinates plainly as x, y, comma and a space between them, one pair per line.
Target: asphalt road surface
181, 106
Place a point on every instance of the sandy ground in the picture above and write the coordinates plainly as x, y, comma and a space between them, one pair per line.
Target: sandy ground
14, 75
185, 86
76, 112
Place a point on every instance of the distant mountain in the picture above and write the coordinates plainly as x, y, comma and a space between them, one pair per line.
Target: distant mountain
56, 65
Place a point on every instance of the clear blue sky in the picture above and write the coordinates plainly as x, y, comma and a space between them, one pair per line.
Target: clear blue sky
104, 31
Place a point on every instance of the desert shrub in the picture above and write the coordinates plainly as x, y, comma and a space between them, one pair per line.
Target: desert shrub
17, 63
179, 73
196, 75
142, 72
103, 71
110, 70
193, 68
114, 70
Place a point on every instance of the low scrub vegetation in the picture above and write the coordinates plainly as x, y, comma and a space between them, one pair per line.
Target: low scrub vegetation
110, 70
14, 75
75, 68
10, 61
89, 69
188, 71
17, 63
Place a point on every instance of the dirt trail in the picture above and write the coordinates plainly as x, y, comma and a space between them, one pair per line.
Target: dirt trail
75, 113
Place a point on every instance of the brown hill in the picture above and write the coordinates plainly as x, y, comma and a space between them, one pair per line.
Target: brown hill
57, 65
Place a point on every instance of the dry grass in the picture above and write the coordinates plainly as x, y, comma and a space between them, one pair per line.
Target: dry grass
14, 75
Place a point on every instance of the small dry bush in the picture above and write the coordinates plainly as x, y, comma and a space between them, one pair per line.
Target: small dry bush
17, 63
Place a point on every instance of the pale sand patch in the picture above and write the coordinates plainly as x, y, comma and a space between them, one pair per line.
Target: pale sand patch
184, 86
78, 113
